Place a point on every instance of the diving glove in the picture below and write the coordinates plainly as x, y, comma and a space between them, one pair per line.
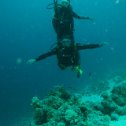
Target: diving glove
78, 70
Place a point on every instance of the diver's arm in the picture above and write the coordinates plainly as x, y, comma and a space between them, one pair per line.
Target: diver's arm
41, 57
75, 15
45, 55
88, 46
82, 17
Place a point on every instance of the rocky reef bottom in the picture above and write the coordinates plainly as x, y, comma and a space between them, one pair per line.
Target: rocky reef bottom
64, 108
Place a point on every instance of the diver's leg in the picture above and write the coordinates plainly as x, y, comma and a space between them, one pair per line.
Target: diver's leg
71, 32
76, 66
72, 37
55, 25
77, 57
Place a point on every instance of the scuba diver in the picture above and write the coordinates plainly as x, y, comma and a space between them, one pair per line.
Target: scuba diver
67, 55
63, 20
66, 50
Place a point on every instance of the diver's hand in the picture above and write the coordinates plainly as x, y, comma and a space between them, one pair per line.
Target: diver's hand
104, 43
91, 19
88, 18
31, 61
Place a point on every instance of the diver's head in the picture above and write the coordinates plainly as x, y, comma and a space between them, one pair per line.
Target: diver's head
65, 3
66, 42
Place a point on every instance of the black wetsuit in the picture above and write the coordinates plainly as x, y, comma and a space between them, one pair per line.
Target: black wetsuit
68, 56
63, 22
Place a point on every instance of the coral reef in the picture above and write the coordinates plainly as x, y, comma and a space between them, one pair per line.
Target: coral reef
114, 101
119, 95
62, 108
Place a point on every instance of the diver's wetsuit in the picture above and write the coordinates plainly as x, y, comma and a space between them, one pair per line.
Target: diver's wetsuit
63, 22
68, 57
45, 55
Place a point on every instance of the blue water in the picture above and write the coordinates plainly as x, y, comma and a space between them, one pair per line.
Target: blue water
26, 32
